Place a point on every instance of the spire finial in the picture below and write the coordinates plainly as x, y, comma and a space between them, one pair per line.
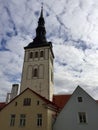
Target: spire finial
42, 5
42, 9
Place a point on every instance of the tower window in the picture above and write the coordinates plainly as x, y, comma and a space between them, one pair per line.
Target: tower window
41, 54
82, 117
31, 55
12, 120
35, 72
27, 102
36, 54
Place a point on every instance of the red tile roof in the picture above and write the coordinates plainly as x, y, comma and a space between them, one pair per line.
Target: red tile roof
2, 104
61, 100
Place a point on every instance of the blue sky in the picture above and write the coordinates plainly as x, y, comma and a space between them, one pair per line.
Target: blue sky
71, 25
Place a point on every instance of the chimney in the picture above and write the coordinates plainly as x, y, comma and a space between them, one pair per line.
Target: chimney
14, 91
13, 94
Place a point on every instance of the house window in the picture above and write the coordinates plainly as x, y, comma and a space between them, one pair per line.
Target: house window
80, 99
35, 72
31, 55
27, 102
12, 120
37, 102
36, 54
15, 103
41, 54
22, 120
39, 119
82, 117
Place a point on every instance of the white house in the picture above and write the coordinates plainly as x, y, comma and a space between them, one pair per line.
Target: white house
80, 113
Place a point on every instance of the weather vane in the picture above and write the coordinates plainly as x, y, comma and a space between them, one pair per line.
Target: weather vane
42, 5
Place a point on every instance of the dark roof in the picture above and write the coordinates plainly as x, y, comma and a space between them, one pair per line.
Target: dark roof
61, 100
35, 45
40, 38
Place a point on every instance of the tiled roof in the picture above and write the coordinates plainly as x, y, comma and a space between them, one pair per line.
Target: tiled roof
97, 101
2, 104
61, 100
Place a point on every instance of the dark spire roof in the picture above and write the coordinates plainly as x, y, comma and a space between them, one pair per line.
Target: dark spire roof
40, 39
41, 11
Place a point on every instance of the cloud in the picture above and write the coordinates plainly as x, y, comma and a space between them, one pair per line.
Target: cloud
72, 26
74, 66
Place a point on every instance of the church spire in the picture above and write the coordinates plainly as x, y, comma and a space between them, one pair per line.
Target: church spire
41, 21
40, 30
41, 11
40, 38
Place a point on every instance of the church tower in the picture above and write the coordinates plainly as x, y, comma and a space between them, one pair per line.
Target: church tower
37, 72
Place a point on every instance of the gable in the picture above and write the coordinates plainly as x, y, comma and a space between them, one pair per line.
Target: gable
87, 100
36, 99
68, 118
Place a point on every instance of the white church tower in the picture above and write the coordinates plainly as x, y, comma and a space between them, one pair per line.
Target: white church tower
37, 72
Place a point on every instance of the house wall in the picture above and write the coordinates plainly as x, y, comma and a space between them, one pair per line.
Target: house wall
30, 112
68, 118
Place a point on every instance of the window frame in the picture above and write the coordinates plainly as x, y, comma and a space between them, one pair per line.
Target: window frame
22, 122
41, 54
80, 99
12, 120
27, 102
36, 54
39, 120
82, 117
35, 72
30, 55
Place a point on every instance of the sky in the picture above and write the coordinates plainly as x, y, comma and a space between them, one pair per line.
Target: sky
71, 26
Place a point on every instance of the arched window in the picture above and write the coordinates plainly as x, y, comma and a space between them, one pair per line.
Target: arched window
35, 72
41, 54
31, 55
36, 54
